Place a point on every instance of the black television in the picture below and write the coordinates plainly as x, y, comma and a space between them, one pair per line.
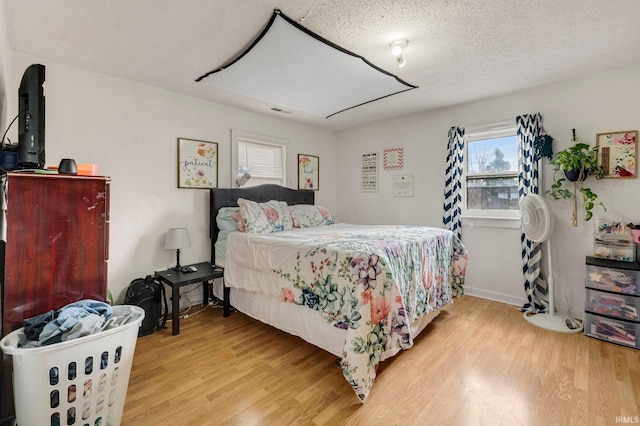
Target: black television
31, 118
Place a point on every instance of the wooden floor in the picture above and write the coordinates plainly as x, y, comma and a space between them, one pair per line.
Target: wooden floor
478, 363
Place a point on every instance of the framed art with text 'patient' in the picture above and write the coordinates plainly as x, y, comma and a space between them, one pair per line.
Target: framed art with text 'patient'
197, 164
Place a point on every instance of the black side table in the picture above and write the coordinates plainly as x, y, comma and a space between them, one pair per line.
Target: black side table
176, 279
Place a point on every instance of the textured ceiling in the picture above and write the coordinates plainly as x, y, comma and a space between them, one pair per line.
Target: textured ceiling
459, 50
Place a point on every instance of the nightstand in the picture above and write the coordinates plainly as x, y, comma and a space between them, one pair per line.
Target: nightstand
176, 279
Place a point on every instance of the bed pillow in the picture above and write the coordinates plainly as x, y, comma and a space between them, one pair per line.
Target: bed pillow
308, 215
263, 218
226, 220
239, 222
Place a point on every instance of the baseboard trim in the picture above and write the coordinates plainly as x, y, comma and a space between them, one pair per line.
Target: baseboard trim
496, 297
517, 301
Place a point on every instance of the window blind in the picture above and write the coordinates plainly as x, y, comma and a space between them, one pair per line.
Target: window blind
263, 161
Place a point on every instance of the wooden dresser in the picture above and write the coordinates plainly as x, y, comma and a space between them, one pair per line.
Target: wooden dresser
55, 249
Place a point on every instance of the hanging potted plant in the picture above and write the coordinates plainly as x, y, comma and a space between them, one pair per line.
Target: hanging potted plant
575, 164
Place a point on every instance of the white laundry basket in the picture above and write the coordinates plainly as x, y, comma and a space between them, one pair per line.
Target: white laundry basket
79, 382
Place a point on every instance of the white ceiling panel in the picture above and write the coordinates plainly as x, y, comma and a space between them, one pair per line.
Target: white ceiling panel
293, 69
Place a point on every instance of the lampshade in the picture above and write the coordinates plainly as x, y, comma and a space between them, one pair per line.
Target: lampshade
177, 238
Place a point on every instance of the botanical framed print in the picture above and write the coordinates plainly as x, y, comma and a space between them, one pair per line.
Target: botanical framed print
197, 164
308, 172
618, 153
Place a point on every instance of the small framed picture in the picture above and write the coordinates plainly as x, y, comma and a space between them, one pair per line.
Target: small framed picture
308, 172
392, 158
197, 164
618, 153
369, 179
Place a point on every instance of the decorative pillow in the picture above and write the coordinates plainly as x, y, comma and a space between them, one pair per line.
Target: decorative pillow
287, 220
308, 215
262, 218
227, 222
240, 223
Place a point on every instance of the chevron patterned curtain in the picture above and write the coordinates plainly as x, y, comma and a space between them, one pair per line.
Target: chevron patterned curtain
529, 127
453, 182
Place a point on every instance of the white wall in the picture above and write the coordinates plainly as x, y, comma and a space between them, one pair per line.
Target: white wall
601, 103
130, 131
4, 73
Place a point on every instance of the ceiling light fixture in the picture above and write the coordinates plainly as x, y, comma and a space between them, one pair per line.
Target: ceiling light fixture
396, 50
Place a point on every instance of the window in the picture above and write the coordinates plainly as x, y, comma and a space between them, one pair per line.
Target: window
263, 157
491, 171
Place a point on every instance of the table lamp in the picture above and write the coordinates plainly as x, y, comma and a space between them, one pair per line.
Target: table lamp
177, 238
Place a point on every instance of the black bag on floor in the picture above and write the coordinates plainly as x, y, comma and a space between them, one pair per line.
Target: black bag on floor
148, 294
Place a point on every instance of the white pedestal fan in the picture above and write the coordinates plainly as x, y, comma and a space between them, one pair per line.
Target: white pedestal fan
537, 224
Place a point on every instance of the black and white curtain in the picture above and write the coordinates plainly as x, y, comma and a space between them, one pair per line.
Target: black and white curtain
453, 182
529, 128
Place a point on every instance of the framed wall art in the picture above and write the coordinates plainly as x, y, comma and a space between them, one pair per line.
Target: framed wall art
618, 153
393, 158
403, 186
197, 164
308, 172
369, 179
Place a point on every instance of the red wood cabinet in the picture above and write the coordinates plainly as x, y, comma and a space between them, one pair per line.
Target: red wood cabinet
56, 247
57, 243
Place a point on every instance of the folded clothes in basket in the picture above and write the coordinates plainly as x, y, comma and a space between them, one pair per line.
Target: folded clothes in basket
74, 320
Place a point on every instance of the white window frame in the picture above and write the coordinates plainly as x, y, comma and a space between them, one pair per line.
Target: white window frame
475, 133
240, 135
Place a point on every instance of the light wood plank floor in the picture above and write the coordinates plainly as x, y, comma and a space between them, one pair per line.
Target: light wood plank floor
478, 363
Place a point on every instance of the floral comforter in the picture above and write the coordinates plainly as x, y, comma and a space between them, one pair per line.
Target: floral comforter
370, 281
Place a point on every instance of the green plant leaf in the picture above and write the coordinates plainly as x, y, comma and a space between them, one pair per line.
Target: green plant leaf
580, 156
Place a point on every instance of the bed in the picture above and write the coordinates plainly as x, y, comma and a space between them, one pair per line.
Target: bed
362, 293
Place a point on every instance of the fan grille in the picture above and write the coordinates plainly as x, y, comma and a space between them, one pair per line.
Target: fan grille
535, 218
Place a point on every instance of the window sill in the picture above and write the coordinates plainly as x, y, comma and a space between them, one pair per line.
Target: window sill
472, 221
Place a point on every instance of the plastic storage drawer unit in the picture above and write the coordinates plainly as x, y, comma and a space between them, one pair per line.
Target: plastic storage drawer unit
613, 305
614, 276
610, 330
612, 301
